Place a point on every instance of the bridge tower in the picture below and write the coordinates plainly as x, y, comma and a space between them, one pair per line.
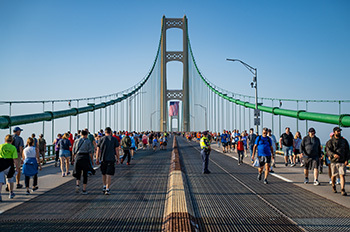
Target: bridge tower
167, 56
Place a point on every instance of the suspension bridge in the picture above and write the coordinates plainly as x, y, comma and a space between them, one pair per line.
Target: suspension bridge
165, 190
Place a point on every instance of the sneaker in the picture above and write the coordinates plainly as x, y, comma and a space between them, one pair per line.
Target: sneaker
107, 192
259, 176
338, 181
343, 193
286, 164
316, 182
84, 192
77, 189
330, 181
272, 171
35, 188
293, 164
301, 165
63, 174
265, 181
68, 173
19, 186
334, 189
306, 181
12, 195
127, 163
104, 189
27, 192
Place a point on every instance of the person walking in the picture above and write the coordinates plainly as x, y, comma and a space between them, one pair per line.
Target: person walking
263, 145
274, 146
311, 151
30, 165
205, 152
64, 152
287, 144
126, 146
8, 157
240, 150
57, 149
338, 152
19, 144
251, 142
108, 153
42, 148
297, 143
82, 151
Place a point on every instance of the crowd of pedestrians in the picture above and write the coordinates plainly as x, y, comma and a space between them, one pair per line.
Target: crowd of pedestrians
82, 151
307, 151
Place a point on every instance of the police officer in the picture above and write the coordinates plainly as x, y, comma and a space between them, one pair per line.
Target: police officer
205, 151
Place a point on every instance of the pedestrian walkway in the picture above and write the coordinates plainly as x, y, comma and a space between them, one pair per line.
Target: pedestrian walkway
295, 175
136, 202
229, 199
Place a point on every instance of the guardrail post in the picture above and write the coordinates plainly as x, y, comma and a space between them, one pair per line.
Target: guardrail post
10, 111
77, 116
53, 122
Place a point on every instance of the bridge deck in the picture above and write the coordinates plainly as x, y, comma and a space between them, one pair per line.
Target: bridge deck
229, 199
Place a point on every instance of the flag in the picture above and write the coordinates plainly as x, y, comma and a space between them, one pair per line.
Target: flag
174, 109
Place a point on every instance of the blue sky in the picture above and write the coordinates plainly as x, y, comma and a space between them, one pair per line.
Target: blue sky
70, 49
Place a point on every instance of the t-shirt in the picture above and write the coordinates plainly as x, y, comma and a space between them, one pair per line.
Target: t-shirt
274, 141
64, 144
264, 145
17, 142
8, 151
287, 140
236, 136
252, 138
223, 138
91, 138
29, 152
42, 144
311, 147
108, 144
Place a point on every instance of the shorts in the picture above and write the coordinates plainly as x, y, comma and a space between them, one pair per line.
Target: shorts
338, 169
288, 151
224, 144
296, 151
132, 148
6, 172
264, 160
108, 168
64, 153
311, 163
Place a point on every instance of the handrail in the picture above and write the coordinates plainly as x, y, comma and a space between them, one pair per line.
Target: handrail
341, 120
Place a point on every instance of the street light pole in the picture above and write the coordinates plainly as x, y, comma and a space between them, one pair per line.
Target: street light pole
253, 84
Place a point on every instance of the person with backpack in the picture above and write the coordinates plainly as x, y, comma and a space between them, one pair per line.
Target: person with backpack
263, 145
240, 150
126, 145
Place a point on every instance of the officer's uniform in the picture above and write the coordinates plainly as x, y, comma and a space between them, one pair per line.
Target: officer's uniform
205, 151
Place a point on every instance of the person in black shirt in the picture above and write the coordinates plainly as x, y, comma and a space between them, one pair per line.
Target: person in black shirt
108, 152
287, 144
311, 151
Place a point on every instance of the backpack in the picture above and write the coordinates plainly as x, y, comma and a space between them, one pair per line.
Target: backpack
240, 146
126, 142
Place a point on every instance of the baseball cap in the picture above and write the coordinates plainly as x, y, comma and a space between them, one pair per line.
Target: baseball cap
337, 128
17, 129
312, 130
126, 133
